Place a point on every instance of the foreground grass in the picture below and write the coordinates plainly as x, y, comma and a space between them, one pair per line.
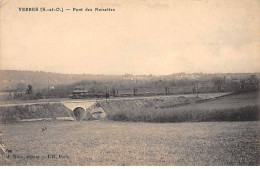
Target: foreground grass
184, 114
128, 143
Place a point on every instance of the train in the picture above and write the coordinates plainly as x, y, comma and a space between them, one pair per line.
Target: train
84, 93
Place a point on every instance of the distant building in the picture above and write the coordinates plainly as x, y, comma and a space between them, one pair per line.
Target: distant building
250, 83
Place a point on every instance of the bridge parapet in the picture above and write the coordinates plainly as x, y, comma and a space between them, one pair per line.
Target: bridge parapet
73, 105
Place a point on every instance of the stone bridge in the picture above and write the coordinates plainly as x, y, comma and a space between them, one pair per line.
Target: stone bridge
85, 110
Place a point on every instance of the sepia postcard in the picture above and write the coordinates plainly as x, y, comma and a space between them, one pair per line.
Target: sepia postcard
129, 83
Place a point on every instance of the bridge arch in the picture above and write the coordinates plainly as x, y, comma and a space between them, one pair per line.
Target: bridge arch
79, 113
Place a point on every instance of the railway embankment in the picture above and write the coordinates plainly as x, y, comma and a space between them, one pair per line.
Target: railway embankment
49, 111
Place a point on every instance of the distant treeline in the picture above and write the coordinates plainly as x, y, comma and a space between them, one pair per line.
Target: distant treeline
54, 85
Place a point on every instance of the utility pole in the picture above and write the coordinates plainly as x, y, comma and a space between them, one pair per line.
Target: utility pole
167, 90
135, 91
197, 89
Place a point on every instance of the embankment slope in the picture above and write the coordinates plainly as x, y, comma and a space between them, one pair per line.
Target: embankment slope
18, 113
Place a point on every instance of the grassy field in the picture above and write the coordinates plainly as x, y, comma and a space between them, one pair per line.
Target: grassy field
236, 107
231, 101
128, 143
183, 114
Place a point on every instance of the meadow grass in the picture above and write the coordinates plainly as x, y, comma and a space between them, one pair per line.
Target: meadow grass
128, 143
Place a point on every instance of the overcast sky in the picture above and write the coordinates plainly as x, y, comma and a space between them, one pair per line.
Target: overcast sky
140, 37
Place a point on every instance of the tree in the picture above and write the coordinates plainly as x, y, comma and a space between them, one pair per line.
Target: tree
29, 90
218, 83
107, 96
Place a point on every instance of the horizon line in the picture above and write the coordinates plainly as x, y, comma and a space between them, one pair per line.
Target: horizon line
129, 73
